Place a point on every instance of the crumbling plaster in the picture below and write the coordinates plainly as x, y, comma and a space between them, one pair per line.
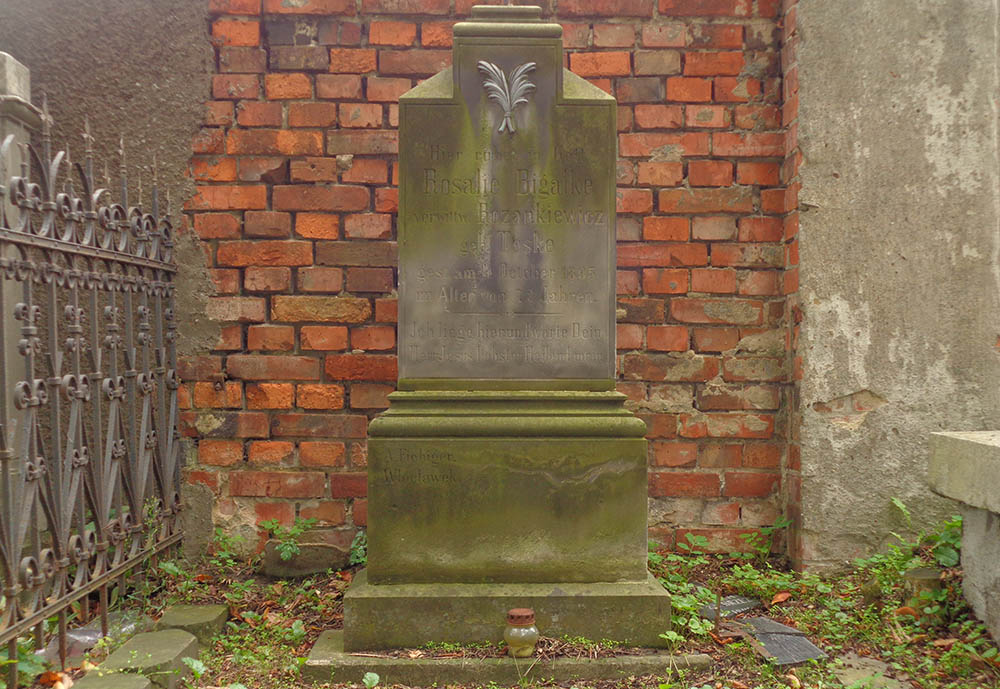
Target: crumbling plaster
900, 256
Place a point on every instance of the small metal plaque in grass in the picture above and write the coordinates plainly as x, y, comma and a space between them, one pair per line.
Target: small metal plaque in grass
731, 605
781, 644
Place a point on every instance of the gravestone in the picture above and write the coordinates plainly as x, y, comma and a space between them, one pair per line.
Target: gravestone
506, 471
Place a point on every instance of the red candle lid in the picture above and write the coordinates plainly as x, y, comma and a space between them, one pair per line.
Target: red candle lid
521, 617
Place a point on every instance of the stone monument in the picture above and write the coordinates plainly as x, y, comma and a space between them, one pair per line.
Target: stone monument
506, 472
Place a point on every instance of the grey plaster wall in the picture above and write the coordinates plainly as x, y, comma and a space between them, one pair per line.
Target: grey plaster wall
900, 256
136, 67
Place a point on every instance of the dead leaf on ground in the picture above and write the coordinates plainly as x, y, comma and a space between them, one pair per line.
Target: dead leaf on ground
780, 597
416, 654
905, 610
944, 643
736, 684
48, 678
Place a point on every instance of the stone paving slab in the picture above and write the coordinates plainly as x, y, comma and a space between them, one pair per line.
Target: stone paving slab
98, 679
328, 662
156, 655
203, 621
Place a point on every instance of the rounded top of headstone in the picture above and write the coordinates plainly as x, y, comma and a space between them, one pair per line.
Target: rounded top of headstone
508, 20
521, 617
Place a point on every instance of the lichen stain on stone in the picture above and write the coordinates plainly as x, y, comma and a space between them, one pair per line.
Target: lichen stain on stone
849, 411
206, 423
770, 342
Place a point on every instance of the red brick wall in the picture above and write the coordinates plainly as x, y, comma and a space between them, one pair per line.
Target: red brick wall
295, 206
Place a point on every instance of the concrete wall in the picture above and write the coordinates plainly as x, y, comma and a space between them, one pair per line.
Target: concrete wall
135, 67
900, 256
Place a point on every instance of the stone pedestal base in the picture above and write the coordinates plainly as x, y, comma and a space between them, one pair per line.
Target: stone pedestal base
410, 615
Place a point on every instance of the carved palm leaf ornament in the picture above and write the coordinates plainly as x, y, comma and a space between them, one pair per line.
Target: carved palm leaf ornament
507, 93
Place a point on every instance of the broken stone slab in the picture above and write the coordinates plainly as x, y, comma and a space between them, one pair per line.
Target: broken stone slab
729, 606
204, 621
312, 558
156, 655
779, 643
98, 679
328, 662
859, 671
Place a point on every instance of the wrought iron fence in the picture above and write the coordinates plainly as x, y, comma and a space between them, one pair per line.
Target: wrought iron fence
89, 460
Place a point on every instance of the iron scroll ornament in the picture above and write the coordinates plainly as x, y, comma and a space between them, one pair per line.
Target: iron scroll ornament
508, 93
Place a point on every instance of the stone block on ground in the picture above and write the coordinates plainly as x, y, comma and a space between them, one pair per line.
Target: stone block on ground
203, 621
156, 655
312, 558
329, 663
98, 679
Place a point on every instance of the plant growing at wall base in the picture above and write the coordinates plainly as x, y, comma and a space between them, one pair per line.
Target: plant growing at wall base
287, 538
359, 549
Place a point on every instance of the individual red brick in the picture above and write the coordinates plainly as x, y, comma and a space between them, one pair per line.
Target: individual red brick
705, 8
218, 113
606, 8
234, 6
374, 337
778, 201
359, 512
338, 86
667, 338
321, 453
226, 280
664, 281
320, 198
191, 368
760, 282
366, 171
320, 396
387, 89
272, 141
235, 86
657, 62
370, 396
270, 452
689, 89
357, 253
639, 90
614, 35
270, 396
635, 200
268, 367
325, 512
312, 114
757, 116
319, 425
222, 453
386, 310
713, 228
392, 33
715, 339
228, 395
242, 60
717, 36
749, 145
713, 280
748, 255
628, 336
230, 337
661, 174
659, 255
242, 309
362, 142
281, 512
683, 484
627, 282
668, 146
405, 6
723, 311
307, 58
736, 89
606, 64
209, 479
576, 35
264, 253
710, 173
733, 200
258, 114
436, 34
659, 229
315, 169
324, 337
669, 35
640, 310
706, 116
416, 62
370, 280
762, 174
658, 116
669, 367
268, 224
750, 485
286, 86
265, 169
322, 7
673, 454
216, 226
369, 367
759, 456
270, 338
352, 60
277, 484
297, 308
722, 63
320, 279
360, 115
317, 226
208, 141
761, 229
236, 32
224, 424
721, 513
345, 485
257, 279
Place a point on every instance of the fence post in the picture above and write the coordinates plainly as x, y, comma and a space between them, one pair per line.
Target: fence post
18, 117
